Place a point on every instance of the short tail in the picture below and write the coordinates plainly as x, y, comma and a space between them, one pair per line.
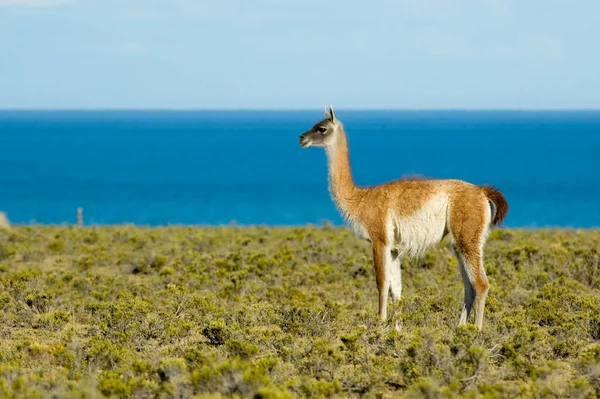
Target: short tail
499, 202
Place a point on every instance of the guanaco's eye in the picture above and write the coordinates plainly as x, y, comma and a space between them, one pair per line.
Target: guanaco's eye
322, 129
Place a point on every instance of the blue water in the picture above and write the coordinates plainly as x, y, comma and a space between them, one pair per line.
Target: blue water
215, 167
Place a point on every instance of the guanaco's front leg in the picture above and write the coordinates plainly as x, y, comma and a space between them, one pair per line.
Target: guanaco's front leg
381, 277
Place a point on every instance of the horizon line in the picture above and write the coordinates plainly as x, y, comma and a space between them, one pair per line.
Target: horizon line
293, 109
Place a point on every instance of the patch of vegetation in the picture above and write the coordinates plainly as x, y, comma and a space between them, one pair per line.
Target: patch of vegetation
289, 312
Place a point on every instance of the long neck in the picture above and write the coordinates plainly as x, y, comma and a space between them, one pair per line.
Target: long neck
341, 184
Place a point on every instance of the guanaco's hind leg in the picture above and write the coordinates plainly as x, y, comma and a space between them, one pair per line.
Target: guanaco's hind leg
482, 286
468, 286
469, 225
475, 283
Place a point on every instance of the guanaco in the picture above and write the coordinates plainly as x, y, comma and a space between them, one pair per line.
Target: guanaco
404, 218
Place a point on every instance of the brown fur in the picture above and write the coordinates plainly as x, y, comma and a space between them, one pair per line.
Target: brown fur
378, 261
370, 204
368, 209
467, 221
498, 199
413, 177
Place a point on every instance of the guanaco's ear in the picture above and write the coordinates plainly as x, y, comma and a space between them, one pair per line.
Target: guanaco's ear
329, 114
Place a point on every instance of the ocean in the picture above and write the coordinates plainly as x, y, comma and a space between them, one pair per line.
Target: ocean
246, 167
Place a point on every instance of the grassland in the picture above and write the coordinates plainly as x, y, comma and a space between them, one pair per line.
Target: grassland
288, 312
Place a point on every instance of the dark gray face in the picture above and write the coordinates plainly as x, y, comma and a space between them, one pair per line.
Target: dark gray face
322, 133
317, 136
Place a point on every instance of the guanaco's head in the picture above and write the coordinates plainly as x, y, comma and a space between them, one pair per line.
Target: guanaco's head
324, 133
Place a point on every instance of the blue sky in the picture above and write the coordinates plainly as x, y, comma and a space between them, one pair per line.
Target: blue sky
300, 54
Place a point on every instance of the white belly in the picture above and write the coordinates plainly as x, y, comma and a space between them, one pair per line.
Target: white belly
413, 235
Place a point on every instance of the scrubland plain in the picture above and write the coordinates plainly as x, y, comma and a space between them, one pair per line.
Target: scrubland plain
266, 312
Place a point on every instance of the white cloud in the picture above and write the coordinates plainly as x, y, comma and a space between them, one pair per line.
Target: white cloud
34, 3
